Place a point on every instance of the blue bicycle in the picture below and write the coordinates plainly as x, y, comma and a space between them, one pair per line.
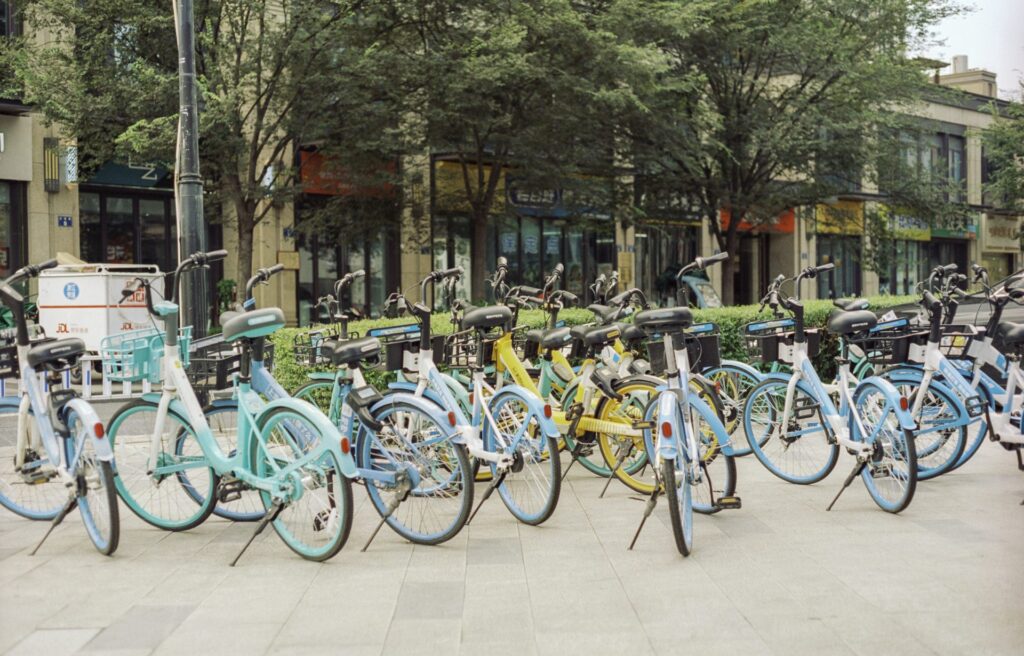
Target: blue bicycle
795, 429
683, 432
57, 458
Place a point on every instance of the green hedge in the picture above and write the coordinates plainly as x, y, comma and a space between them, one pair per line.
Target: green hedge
730, 321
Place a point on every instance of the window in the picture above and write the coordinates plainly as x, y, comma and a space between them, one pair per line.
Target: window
12, 227
845, 280
122, 227
10, 21
957, 173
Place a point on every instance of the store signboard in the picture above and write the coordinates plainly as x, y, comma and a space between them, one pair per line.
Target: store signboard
1000, 234
784, 223
965, 227
844, 217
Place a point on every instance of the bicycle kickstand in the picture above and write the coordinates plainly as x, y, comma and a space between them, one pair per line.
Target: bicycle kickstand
578, 448
72, 501
857, 469
618, 465
487, 494
652, 501
392, 507
268, 517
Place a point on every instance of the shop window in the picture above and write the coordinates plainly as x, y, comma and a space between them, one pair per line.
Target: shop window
126, 228
844, 252
12, 227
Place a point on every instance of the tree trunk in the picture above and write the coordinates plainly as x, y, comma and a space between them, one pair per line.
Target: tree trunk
729, 268
478, 252
245, 224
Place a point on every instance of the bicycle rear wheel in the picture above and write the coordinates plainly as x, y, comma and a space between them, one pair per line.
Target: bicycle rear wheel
732, 387
316, 519
97, 496
941, 437
680, 502
531, 487
438, 507
180, 492
891, 472
625, 455
35, 492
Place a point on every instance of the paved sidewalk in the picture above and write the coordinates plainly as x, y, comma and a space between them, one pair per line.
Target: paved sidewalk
779, 576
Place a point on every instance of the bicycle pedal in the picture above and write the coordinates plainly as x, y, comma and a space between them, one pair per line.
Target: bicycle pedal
230, 491
728, 503
36, 474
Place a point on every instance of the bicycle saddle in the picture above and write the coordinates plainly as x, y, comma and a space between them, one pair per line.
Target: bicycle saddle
353, 351
253, 324
601, 335
549, 339
603, 312
631, 332
664, 319
854, 321
58, 355
1011, 333
851, 303
486, 317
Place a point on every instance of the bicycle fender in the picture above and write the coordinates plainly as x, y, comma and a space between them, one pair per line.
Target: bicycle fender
322, 375
668, 406
223, 403
89, 419
177, 407
410, 388
536, 406
427, 406
318, 419
743, 366
889, 390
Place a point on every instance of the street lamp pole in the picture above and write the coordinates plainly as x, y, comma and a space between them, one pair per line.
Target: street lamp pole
189, 183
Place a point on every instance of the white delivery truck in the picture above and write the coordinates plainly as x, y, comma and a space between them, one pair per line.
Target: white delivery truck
84, 300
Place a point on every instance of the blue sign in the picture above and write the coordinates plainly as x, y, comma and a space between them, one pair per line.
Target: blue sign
71, 291
64, 221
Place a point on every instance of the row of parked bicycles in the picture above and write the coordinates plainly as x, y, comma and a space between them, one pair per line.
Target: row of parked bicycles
640, 395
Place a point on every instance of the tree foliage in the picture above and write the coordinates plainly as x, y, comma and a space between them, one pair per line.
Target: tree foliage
1004, 150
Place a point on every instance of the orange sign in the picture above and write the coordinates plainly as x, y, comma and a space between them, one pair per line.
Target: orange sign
784, 223
319, 175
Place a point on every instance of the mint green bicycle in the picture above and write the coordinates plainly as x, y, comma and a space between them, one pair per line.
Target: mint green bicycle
170, 469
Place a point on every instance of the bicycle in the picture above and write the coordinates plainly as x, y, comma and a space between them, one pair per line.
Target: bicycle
408, 455
509, 427
794, 428
305, 488
683, 450
59, 456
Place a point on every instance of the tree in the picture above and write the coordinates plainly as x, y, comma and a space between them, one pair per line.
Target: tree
495, 86
1004, 150
756, 107
272, 75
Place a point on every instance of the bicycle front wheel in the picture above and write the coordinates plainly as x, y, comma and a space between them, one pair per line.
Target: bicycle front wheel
680, 502
179, 492
316, 517
531, 486
437, 508
34, 492
798, 448
890, 473
97, 496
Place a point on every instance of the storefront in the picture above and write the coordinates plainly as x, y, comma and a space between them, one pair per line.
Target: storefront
365, 237
1001, 245
532, 228
126, 214
839, 228
15, 175
908, 255
762, 248
665, 241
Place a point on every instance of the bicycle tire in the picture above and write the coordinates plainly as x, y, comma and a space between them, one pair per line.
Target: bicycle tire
93, 517
680, 506
889, 441
332, 511
133, 482
374, 453
40, 502
932, 463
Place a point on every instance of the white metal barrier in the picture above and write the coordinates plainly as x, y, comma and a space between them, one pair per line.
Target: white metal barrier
86, 385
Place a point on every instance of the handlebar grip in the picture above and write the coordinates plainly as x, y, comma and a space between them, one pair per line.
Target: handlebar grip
825, 267
930, 301
48, 264
529, 291
705, 262
277, 268
559, 270
569, 298
619, 299
360, 273
216, 256
445, 273
502, 261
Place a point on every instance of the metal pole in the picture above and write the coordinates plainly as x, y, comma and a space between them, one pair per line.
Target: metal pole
189, 187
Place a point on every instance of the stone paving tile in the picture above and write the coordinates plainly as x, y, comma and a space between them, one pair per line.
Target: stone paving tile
780, 576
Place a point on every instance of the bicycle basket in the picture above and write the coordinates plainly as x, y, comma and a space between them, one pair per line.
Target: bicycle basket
460, 349
396, 341
956, 339
213, 363
887, 343
702, 344
764, 339
135, 355
9, 348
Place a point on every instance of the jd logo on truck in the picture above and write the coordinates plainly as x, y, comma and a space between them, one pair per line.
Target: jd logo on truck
62, 328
